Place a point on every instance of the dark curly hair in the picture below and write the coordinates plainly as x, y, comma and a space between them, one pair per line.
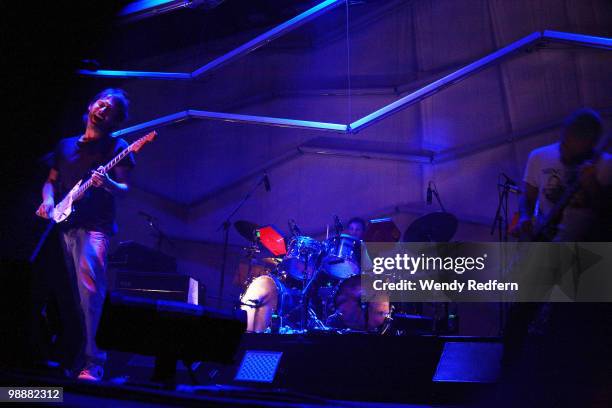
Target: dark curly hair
120, 96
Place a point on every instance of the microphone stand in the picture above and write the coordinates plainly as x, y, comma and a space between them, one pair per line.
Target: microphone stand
500, 222
161, 236
435, 193
225, 225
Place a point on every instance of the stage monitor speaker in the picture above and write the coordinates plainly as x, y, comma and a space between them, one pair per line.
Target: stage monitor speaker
469, 362
258, 366
170, 331
356, 366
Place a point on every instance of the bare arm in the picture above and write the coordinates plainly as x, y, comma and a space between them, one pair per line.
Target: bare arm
48, 194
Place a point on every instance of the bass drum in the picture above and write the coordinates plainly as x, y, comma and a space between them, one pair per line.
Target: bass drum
350, 312
267, 297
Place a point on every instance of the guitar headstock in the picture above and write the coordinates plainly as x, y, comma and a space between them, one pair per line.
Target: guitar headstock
138, 144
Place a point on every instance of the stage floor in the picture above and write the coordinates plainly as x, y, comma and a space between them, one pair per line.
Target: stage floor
314, 369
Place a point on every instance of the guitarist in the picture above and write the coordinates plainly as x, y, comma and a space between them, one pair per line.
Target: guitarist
552, 169
87, 232
560, 346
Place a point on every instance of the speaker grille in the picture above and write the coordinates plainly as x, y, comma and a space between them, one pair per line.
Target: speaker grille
258, 366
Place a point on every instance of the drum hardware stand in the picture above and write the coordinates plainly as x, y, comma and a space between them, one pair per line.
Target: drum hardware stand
225, 225
388, 322
251, 251
315, 319
304, 299
365, 307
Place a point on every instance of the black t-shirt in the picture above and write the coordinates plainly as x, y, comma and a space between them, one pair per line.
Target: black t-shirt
74, 161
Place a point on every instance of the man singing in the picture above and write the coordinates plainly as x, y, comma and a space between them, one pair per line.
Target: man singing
86, 234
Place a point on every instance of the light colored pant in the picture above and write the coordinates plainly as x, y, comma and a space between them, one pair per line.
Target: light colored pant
86, 256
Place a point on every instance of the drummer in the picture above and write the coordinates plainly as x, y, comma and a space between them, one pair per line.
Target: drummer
356, 227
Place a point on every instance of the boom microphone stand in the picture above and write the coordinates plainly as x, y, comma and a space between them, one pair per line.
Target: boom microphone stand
225, 225
500, 222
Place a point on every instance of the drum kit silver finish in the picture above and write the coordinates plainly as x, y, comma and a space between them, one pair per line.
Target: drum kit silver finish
303, 291
313, 285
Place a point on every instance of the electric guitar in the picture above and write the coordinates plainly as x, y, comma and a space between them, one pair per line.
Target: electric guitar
62, 211
546, 227
65, 208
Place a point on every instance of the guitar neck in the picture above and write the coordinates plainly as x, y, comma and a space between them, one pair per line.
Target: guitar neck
87, 184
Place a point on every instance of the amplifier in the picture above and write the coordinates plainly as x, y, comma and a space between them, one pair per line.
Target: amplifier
137, 257
161, 286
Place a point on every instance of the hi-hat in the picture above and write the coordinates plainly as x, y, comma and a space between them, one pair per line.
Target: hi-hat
246, 229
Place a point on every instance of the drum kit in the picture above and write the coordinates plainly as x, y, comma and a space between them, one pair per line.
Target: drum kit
295, 284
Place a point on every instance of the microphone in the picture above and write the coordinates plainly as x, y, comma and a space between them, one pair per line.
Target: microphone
295, 230
266, 181
510, 184
511, 188
338, 225
508, 179
429, 194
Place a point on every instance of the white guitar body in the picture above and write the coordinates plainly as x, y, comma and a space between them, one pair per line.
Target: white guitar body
64, 208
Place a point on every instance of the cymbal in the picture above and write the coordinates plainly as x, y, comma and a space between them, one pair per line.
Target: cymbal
246, 229
432, 227
270, 261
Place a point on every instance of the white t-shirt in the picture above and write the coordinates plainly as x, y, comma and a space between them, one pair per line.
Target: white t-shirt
550, 176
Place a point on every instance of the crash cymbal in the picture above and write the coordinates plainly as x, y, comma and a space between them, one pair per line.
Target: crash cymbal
246, 229
433, 227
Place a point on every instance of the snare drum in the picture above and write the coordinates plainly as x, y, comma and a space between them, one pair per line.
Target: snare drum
302, 257
342, 256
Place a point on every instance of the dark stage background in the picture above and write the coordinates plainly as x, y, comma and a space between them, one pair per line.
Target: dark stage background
336, 68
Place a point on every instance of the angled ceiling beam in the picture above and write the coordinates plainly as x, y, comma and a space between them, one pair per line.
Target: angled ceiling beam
390, 109
155, 123
267, 120
136, 74
231, 117
231, 56
450, 79
268, 36
462, 73
579, 39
